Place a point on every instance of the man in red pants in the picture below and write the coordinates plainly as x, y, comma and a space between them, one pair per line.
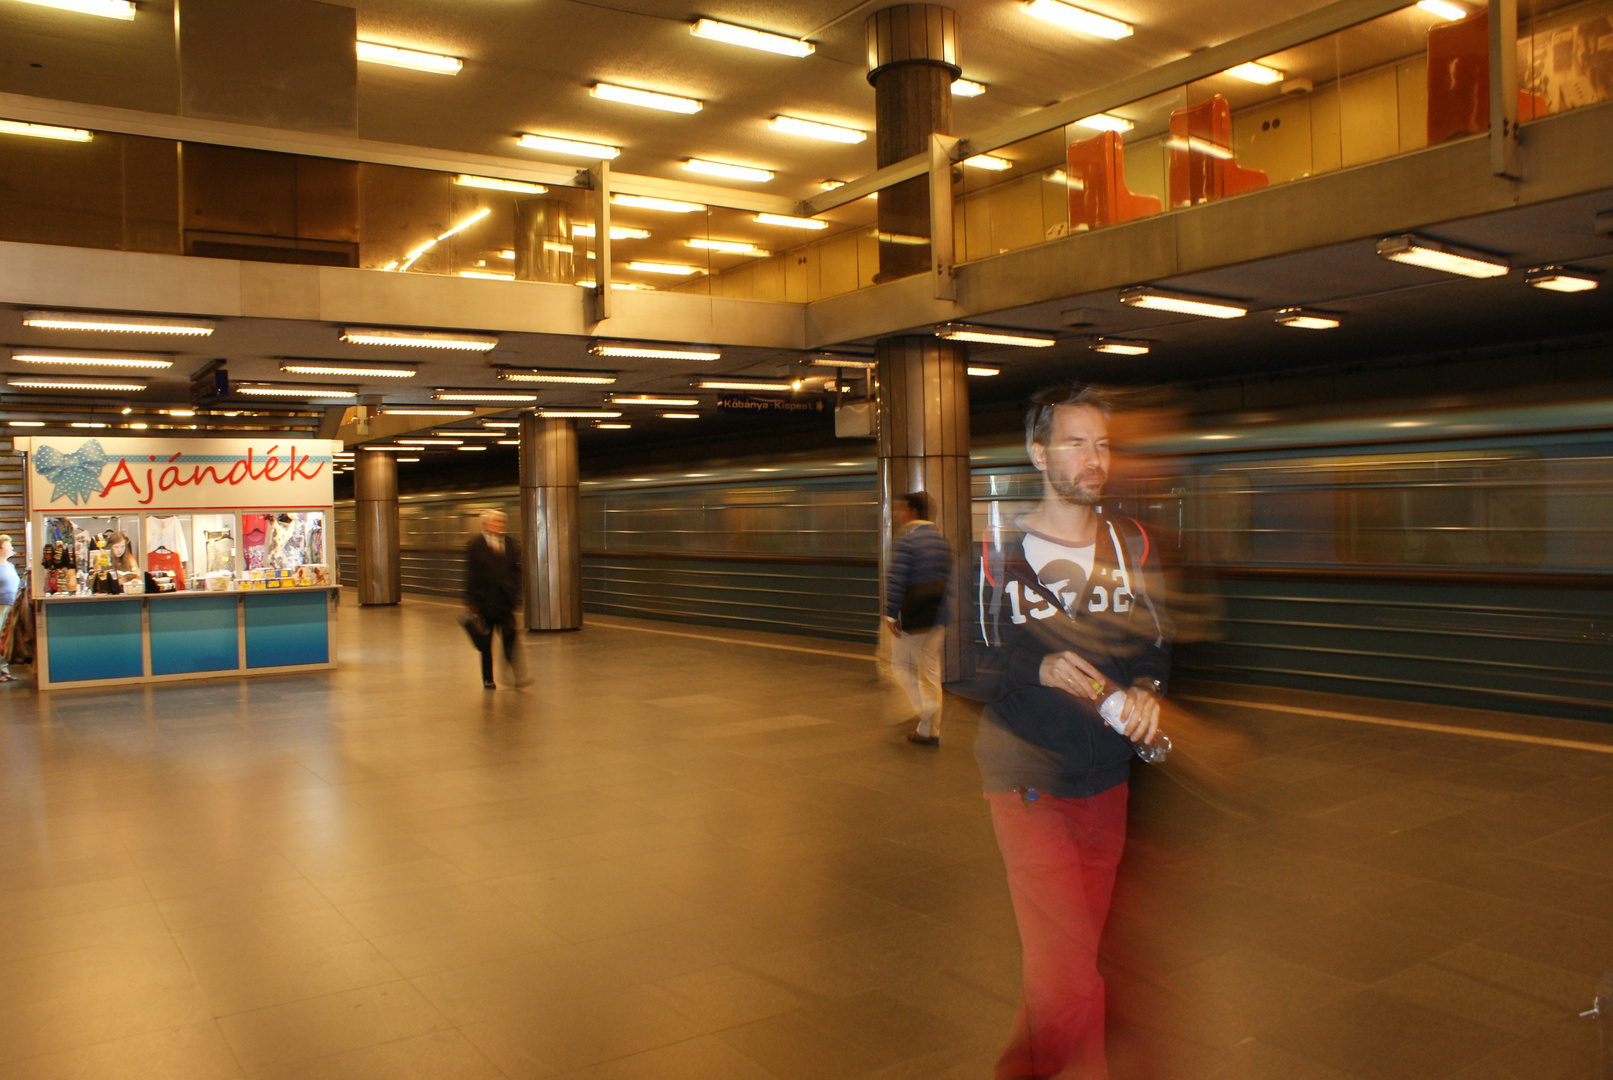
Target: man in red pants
1071, 619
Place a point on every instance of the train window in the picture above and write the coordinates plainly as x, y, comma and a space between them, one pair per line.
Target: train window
1229, 517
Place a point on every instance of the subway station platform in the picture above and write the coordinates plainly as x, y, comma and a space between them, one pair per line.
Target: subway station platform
691, 853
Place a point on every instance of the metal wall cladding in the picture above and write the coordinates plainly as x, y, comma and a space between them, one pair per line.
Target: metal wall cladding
908, 32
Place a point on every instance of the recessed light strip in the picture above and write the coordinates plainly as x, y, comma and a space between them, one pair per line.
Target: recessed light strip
789, 222
357, 371
493, 183
746, 384
49, 382
727, 170
483, 395
559, 378
45, 131
645, 99
110, 9
418, 339
761, 40
1079, 19
123, 324
129, 361
285, 390
413, 59
653, 352
991, 335
569, 147
812, 129
579, 414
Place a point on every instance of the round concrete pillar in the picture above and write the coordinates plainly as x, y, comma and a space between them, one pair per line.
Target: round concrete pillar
543, 249
912, 61
375, 507
551, 524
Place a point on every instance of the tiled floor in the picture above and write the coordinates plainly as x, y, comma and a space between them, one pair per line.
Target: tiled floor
676, 857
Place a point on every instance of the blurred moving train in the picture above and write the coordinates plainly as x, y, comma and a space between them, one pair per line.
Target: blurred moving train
1458, 557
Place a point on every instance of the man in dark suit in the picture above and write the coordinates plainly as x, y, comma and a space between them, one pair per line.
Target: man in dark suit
493, 592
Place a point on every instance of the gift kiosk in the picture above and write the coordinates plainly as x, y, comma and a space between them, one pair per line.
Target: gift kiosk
159, 559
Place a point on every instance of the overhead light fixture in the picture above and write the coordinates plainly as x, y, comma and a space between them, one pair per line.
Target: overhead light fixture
489, 275
569, 147
967, 88
357, 371
1150, 299
124, 324
111, 9
137, 427
680, 416
1068, 15
88, 424
26, 423
401, 460
612, 427
1436, 255
727, 169
651, 399
417, 339
509, 442
983, 371
1120, 346
431, 442
649, 202
617, 232
128, 361
989, 163
669, 269
45, 131
1259, 74
906, 239
1442, 8
992, 335
287, 390
470, 448
789, 222
1556, 279
56, 382
469, 434
558, 378
647, 99
414, 59
578, 414
410, 410
1106, 122
653, 352
745, 384
761, 40
482, 395
728, 247
842, 361
505, 424
812, 129
1302, 319
493, 183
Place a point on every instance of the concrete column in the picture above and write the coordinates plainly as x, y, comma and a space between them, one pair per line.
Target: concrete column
543, 249
924, 446
375, 505
912, 60
551, 534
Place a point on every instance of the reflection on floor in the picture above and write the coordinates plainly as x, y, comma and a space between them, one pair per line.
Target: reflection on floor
677, 857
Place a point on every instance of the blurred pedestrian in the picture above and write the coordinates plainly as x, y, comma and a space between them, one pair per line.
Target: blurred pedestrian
493, 593
9, 585
1072, 619
915, 591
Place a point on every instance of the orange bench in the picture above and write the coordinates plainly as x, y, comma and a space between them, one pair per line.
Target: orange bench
1202, 168
1096, 179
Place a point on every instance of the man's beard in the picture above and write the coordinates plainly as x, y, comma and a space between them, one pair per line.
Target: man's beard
1085, 492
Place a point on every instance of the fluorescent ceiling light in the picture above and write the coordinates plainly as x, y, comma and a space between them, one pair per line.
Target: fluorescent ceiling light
430, 442
570, 147
286, 390
1255, 73
509, 442
647, 99
988, 162
482, 395
1433, 255
1120, 346
56, 382
991, 335
647, 202
402, 410
111, 9
507, 253
712, 30
27, 423
1556, 279
131, 361
1181, 304
404, 459
409, 58
617, 232
470, 448
839, 361
87, 424
728, 247
493, 183
812, 129
1445, 10
789, 222
899, 238
559, 378
501, 423
357, 371
651, 399
45, 131
418, 339
1300, 319
489, 275
613, 427
680, 416
727, 169
470, 434
1105, 122
967, 88
125, 324
983, 371
578, 414
746, 384
669, 269
654, 352
1087, 22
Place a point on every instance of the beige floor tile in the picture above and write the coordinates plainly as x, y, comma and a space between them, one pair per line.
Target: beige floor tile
195, 1051
439, 1055
304, 1031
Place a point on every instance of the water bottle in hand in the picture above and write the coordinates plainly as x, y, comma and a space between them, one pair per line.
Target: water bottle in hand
1110, 709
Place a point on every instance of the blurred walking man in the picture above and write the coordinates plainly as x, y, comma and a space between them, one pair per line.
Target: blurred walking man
915, 586
1071, 619
492, 593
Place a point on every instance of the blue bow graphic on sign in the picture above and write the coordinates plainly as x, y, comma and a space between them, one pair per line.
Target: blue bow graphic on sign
76, 475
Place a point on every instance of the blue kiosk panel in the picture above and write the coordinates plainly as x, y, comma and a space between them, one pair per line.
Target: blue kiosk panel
193, 633
98, 640
283, 629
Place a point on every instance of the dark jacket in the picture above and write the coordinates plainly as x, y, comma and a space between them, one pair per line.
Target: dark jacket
920, 557
493, 581
1039, 737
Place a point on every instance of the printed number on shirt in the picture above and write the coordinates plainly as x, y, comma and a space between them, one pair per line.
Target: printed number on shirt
1026, 603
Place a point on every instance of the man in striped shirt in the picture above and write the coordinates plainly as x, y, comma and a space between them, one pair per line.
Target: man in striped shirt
915, 586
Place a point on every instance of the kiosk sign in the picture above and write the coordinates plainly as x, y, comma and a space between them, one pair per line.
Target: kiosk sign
177, 474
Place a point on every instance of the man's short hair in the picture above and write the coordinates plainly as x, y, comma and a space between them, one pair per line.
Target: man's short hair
1039, 417
919, 503
494, 512
5, 538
